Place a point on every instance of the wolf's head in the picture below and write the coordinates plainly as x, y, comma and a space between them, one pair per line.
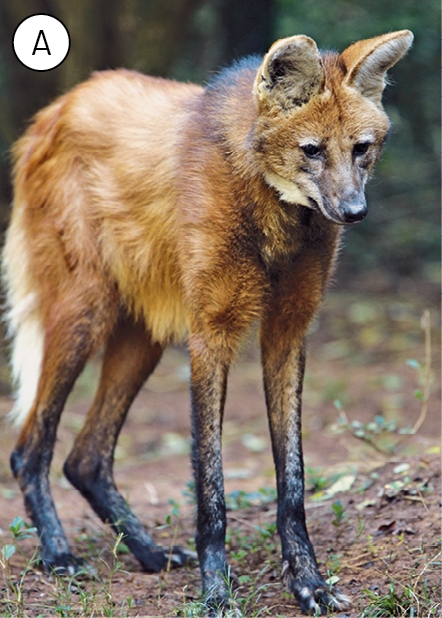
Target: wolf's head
321, 125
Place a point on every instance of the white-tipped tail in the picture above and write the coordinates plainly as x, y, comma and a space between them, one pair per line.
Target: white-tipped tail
26, 357
24, 325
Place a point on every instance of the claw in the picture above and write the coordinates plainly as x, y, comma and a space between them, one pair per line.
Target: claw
321, 601
313, 594
340, 600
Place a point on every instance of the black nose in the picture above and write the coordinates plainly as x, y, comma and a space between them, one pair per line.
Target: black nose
354, 211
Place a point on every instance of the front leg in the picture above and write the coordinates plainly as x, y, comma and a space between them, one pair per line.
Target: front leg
209, 370
283, 365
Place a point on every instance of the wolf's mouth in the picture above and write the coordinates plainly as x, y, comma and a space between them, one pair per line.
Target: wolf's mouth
314, 204
328, 215
331, 216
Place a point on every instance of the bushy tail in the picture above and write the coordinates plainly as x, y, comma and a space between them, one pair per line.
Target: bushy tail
25, 328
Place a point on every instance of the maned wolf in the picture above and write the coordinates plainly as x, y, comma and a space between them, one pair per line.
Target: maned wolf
146, 211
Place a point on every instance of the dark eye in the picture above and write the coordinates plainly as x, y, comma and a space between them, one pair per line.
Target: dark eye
311, 150
360, 149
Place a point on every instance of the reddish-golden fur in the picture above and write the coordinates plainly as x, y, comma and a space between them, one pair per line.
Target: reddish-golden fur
147, 210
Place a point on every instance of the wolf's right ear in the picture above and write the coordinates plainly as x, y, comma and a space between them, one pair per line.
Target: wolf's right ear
290, 74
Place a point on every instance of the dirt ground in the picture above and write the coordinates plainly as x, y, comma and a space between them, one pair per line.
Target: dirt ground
373, 501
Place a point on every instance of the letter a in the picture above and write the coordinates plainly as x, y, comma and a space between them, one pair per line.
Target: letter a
46, 46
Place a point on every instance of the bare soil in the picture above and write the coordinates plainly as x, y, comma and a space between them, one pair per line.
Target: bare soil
389, 529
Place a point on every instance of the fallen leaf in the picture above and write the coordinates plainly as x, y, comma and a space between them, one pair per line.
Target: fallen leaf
384, 528
342, 484
365, 503
403, 467
331, 581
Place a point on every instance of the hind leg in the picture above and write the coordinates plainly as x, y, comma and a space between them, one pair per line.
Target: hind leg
72, 332
130, 357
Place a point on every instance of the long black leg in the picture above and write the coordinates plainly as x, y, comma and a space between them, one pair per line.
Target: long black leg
208, 390
130, 357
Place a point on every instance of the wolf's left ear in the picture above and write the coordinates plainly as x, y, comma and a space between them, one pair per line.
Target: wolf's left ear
367, 62
290, 74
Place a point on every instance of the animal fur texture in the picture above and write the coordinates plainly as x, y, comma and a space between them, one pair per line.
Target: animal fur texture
148, 211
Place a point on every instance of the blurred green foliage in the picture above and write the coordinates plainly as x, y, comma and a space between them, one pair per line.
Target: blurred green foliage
190, 39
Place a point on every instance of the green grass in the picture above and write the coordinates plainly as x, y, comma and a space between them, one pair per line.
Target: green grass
401, 601
247, 545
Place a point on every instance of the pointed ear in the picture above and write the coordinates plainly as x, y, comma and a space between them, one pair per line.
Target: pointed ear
367, 62
290, 74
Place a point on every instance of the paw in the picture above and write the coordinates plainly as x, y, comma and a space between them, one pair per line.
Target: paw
156, 558
320, 601
225, 612
219, 599
68, 565
313, 594
221, 607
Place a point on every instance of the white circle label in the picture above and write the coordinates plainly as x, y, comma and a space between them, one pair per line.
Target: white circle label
41, 42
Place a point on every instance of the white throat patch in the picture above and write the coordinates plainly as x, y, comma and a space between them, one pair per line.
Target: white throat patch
288, 190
